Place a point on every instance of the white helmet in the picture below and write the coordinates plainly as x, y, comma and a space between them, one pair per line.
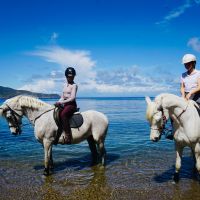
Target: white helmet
188, 58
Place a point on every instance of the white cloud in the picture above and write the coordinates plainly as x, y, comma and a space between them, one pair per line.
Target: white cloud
194, 43
130, 81
65, 57
90, 81
177, 12
79, 59
41, 86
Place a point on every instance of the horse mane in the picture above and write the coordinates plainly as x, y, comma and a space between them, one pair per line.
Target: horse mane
149, 111
156, 103
27, 101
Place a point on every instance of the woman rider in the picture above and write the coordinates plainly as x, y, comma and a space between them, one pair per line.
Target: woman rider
68, 100
190, 82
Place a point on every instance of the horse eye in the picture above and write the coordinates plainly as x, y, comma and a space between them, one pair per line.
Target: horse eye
9, 117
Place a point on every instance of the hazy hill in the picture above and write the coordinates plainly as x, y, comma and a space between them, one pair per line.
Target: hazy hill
6, 92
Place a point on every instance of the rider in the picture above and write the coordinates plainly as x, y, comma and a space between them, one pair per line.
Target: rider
68, 100
190, 82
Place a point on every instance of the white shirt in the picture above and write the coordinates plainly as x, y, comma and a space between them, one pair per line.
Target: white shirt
190, 81
69, 93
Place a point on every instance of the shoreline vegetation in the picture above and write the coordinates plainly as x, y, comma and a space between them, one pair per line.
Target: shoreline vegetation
6, 92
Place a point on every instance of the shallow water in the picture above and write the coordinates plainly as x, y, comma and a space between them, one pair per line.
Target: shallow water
136, 167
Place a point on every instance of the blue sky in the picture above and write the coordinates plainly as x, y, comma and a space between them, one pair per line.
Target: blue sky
119, 48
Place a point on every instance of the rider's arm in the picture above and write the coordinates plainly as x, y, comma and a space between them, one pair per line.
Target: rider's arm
196, 90
182, 89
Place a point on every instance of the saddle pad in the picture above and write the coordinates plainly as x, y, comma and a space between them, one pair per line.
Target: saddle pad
76, 120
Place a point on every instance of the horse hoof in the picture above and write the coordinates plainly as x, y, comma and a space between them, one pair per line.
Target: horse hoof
46, 172
176, 177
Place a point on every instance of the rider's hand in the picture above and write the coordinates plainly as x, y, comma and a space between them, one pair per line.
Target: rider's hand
188, 96
57, 104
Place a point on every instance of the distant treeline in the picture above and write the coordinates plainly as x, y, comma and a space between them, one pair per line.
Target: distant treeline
6, 92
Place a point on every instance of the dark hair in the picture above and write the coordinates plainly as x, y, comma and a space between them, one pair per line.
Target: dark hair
70, 71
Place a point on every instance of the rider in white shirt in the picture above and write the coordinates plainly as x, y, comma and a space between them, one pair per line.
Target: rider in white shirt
68, 101
190, 82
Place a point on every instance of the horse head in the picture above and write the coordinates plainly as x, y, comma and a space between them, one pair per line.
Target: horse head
157, 116
13, 114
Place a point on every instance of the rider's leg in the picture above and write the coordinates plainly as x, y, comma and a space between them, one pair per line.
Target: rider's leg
65, 116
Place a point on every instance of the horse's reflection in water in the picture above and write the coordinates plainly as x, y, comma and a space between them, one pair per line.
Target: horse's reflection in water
88, 184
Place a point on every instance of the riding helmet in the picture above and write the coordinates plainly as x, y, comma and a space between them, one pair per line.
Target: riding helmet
70, 71
188, 58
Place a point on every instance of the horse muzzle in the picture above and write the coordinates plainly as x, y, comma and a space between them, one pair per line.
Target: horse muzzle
17, 132
156, 139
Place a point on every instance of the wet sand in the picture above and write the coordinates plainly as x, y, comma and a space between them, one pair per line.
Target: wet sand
75, 179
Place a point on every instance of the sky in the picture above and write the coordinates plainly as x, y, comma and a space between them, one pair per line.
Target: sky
118, 47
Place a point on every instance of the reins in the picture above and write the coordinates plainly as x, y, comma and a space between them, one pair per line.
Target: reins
183, 110
42, 114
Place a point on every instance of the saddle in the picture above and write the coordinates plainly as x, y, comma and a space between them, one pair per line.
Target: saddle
75, 121
198, 109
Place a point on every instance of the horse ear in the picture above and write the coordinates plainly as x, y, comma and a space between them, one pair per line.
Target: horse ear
1, 111
148, 100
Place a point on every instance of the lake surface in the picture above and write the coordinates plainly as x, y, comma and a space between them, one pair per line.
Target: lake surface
136, 167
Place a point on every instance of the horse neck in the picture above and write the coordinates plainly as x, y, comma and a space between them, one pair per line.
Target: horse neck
175, 105
33, 113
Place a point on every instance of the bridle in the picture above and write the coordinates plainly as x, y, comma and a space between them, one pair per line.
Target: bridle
14, 115
162, 129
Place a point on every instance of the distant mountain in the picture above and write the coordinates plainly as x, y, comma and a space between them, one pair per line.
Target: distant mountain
6, 92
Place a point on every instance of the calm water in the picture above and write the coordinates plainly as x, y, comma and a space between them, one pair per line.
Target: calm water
136, 167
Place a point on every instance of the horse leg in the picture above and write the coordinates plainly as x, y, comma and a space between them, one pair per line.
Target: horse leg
102, 152
197, 156
179, 152
194, 158
47, 154
93, 149
51, 165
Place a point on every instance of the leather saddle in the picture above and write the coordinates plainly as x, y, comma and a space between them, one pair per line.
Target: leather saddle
75, 121
198, 109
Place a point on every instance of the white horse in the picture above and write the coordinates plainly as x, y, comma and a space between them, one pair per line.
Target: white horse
40, 114
186, 123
